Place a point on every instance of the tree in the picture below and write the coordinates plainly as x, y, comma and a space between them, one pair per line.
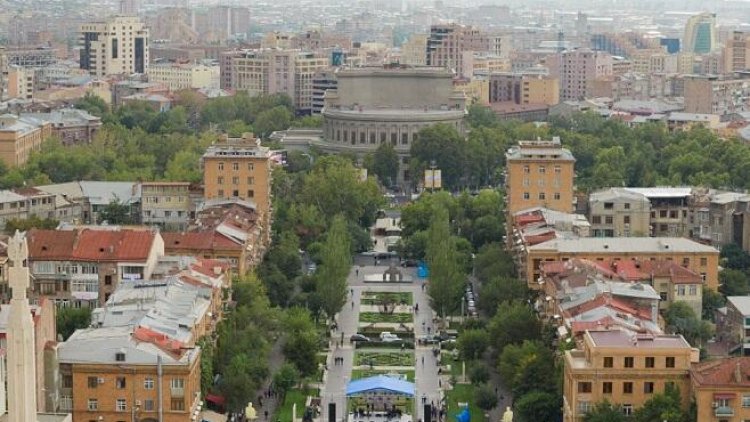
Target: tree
93, 104
302, 341
712, 300
538, 406
115, 212
472, 343
681, 319
734, 283
446, 279
479, 373
277, 118
285, 378
485, 397
236, 386
442, 145
334, 267
512, 324
526, 366
734, 257
71, 319
33, 222
385, 164
492, 261
666, 406
605, 412
207, 363
501, 289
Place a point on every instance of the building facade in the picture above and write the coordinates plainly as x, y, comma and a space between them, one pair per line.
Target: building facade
721, 389
447, 43
520, 88
737, 52
539, 174
577, 69
624, 369
20, 136
166, 204
117, 46
178, 76
619, 213
700, 33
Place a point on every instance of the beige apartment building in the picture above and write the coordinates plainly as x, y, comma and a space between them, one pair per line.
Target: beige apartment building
447, 43
20, 136
625, 369
737, 52
577, 69
616, 212
699, 258
721, 389
165, 204
539, 174
520, 88
117, 46
20, 82
271, 71
414, 51
179, 76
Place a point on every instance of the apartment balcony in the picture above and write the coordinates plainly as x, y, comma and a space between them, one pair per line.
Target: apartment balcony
723, 411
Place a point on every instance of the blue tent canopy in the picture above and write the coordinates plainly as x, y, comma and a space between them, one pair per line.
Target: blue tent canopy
380, 383
464, 416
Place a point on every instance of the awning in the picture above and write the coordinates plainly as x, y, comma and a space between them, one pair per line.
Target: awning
219, 400
724, 396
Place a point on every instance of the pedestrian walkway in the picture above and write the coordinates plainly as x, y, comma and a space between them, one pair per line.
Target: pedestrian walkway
426, 363
269, 403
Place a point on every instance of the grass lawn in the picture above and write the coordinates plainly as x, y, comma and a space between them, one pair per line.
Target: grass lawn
391, 357
364, 373
295, 395
378, 317
463, 393
376, 298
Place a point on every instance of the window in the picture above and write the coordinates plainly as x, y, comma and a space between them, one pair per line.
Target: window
558, 170
746, 400
93, 382
526, 195
557, 196
584, 387
235, 166
235, 193
609, 361
148, 405
542, 196
120, 383
648, 387
662, 213
250, 193
93, 404
120, 357
250, 180
704, 262
685, 262
670, 362
148, 383
121, 405
596, 219
673, 214
542, 170
526, 182
608, 219
628, 362
221, 166
220, 180
235, 180
650, 361
693, 290
178, 383
627, 205
607, 387
178, 404
609, 205
526, 169
626, 219
250, 166
627, 387
627, 409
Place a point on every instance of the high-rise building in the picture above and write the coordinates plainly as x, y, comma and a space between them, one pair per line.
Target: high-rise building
737, 52
446, 44
700, 33
273, 71
414, 51
540, 174
577, 69
118, 46
523, 89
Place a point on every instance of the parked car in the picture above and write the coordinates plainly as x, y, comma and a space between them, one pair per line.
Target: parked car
387, 337
358, 337
409, 263
311, 268
428, 339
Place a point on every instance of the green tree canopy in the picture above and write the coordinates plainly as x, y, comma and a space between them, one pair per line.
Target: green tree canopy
385, 164
513, 323
446, 284
330, 278
442, 145
605, 412
538, 406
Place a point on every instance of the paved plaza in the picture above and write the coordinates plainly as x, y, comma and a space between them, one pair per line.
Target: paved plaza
425, 365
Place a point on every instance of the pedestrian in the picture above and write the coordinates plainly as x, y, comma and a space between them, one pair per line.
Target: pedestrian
422, 360
440, 383
266, 414
352, 303
428, 330
356, 271
351, 291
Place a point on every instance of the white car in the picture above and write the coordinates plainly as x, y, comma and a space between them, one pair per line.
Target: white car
387, 337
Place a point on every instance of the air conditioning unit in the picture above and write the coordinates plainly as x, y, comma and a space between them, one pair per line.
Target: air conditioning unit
715, 404
100, 380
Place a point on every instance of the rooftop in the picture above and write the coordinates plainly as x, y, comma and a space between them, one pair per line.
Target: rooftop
620, 339
726, 372
539, 149
662, 192
624, 245
90, 245
741, 303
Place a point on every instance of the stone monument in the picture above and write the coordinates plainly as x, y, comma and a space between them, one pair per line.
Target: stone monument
20, 353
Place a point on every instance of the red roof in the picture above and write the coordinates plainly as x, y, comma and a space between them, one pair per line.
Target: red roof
199, 241
90, 245
160, 340
726, 372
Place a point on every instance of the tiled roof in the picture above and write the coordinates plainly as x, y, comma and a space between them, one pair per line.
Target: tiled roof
725, 372
198, 241
90, 245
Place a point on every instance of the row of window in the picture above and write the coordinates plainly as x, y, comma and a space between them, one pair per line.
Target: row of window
235, 180
121, 405
608, 387
540, 182
542, 169
629, 362
542, 196
235, 194
608, 219
236, 166
148, 383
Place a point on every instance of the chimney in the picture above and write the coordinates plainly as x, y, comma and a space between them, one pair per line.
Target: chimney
738, 372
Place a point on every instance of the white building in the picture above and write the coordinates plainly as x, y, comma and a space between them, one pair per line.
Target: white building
118, 46
184, 76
